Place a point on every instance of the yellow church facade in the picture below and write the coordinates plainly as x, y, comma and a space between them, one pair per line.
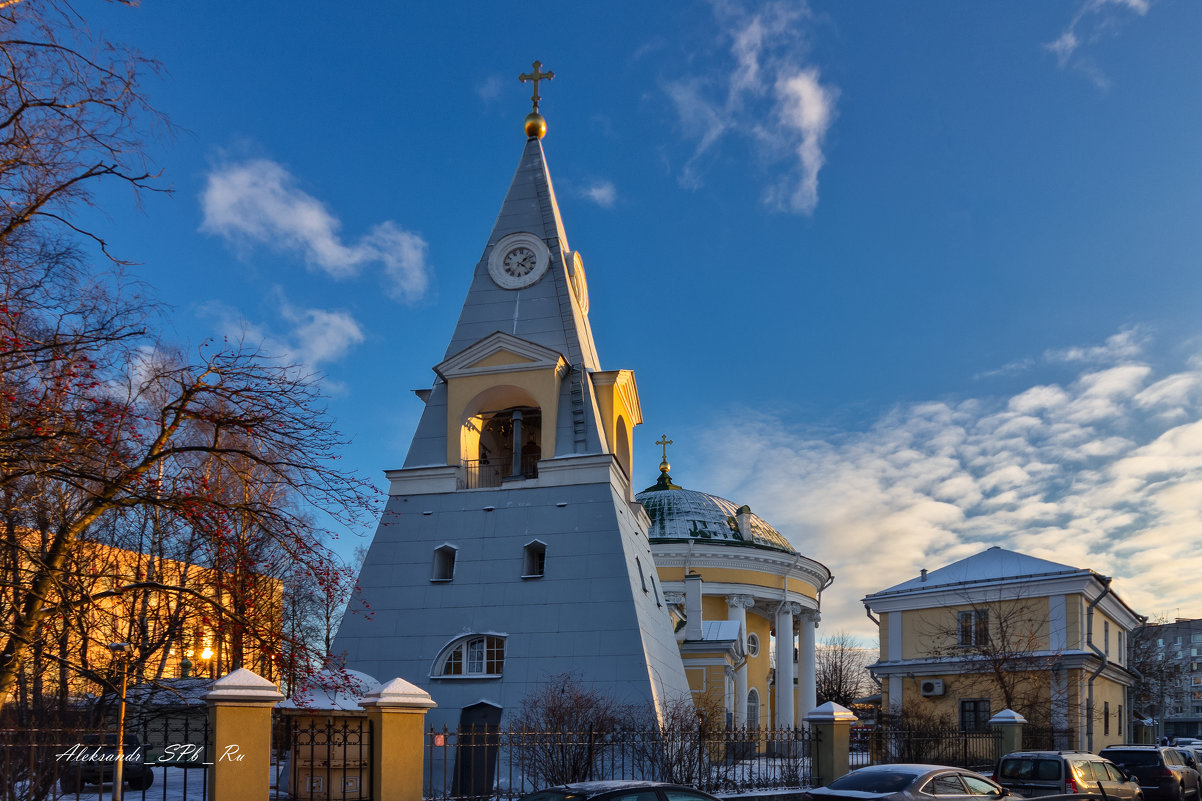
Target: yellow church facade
746, 605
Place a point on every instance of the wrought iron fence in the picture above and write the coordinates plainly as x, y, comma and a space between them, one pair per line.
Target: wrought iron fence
165, 756
504, 763
930, 746
322, 757
1047, 738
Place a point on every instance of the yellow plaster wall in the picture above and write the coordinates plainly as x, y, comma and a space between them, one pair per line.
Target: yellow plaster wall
501, 358
696, 677
1106, 690
616, 413
754, 578
925, 631
757, 666
884, 634
959, 687
714, 607
1072, 617
1099, 631
542, 386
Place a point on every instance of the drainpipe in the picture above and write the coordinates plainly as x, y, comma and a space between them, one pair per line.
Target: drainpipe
1089, 642
872, 673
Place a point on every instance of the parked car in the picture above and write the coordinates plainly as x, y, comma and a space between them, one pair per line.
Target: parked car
1039, 773
93, 762
1189, 755
619, 791
1162, 773
906, 783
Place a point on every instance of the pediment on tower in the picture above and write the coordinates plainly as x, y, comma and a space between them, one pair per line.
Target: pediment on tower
500, 353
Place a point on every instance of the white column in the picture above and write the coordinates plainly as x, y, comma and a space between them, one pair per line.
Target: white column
784, 664
692, 607
807, 687
739, 605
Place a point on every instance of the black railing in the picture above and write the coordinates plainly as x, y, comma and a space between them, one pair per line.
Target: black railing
479, 473
506, 763
1047, 738
165, 756
927, 746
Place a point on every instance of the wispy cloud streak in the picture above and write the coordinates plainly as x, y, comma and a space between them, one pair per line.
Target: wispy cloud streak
258, 202
764, 92
1102, 469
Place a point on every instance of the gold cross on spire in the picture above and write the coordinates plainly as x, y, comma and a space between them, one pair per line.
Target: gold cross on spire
665, 442
536, 76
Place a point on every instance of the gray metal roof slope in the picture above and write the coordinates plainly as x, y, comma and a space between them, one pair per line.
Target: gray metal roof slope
544, 313
991, 564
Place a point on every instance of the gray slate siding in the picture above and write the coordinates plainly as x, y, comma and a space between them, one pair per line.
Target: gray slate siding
588, 615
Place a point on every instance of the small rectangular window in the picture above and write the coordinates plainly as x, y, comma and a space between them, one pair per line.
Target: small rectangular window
974, 714
1120, 719
1106, 637
1106, 717
444, 564
534, 560
974, 627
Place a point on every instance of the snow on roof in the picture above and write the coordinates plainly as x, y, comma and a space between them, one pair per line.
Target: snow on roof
989, 565
331, 690
720, 630
170, 693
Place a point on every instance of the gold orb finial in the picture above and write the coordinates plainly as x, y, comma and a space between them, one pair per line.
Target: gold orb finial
536, 125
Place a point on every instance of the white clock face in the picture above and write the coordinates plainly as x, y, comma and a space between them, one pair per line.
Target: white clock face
518, 260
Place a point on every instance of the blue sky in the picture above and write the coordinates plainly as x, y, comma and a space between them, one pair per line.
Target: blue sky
910, 279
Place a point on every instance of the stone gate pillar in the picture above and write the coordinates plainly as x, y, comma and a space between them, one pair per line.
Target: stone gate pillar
240, 707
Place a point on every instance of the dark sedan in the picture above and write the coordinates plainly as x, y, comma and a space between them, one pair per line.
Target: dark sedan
907, 783
1161, 771
619, 791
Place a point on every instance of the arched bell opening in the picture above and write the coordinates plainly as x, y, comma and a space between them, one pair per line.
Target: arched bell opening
501, 437
622, 446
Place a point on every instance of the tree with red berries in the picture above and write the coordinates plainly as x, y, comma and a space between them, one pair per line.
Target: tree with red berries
107, 435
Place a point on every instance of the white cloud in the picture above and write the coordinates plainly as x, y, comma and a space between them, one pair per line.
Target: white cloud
603, 193
1075, 471
1126, 344
307, 337
258, 202
808, 108
767, 94
320, 336
489, 90
1093, 20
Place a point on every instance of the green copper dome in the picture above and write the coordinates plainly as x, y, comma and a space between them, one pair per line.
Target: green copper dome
681, 514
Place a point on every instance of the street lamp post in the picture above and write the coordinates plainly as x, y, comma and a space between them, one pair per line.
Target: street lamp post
122, 650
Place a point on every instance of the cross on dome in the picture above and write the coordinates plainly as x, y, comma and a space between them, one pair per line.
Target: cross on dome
665, 442
535, 124
536, 76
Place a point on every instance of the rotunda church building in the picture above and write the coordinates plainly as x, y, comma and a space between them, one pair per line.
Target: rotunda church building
745, 604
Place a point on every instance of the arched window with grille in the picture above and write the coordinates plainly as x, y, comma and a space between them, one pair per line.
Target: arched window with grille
753, 708
476, 656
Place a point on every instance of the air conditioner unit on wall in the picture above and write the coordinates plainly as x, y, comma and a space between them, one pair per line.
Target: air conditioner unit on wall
931, 687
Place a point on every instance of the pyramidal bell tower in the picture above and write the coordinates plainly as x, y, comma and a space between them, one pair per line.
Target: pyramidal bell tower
511, 548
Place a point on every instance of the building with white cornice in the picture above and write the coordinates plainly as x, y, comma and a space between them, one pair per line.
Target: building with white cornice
1002, 629
746, 602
